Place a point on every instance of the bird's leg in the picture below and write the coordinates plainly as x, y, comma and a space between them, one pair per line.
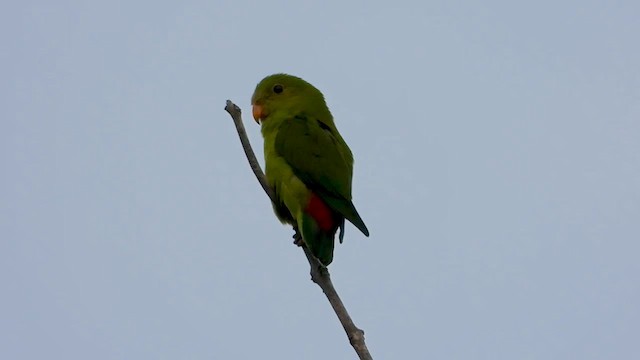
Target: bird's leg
297, 237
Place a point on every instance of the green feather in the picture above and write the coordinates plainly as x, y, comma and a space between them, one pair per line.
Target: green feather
305, 154
319, 242
322, 161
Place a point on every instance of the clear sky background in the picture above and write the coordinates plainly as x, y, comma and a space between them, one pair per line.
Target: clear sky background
497, 148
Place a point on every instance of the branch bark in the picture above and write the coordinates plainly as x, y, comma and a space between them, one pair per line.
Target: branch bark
319, 273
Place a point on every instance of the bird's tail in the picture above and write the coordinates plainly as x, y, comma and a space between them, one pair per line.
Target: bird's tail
320, 242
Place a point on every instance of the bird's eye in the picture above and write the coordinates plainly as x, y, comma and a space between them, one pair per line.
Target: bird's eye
278, 89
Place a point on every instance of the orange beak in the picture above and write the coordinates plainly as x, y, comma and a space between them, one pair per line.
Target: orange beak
257, 113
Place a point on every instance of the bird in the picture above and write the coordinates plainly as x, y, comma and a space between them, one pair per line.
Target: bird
307, 162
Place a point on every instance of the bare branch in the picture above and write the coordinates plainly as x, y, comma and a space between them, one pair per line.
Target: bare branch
236, 115
319, 273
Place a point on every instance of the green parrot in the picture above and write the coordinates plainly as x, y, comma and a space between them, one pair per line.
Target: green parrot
307, 162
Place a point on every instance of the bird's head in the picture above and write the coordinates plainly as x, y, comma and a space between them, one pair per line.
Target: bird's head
286, 94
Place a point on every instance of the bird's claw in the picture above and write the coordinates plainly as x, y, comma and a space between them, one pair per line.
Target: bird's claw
297, 238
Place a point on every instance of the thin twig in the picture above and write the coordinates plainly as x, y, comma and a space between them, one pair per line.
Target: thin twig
236, 115
319, 273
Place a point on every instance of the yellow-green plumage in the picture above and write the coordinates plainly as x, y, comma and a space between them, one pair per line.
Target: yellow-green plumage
308, 163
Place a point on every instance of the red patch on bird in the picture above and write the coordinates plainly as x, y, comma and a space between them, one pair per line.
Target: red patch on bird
320, 212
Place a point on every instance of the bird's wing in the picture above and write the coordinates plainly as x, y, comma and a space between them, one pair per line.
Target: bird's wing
322, 162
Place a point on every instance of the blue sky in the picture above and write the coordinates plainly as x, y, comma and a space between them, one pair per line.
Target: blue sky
497, 168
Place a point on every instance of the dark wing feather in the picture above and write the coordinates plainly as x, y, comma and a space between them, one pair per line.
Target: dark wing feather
322, 161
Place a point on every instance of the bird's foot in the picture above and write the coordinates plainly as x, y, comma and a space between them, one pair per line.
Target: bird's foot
297, 238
